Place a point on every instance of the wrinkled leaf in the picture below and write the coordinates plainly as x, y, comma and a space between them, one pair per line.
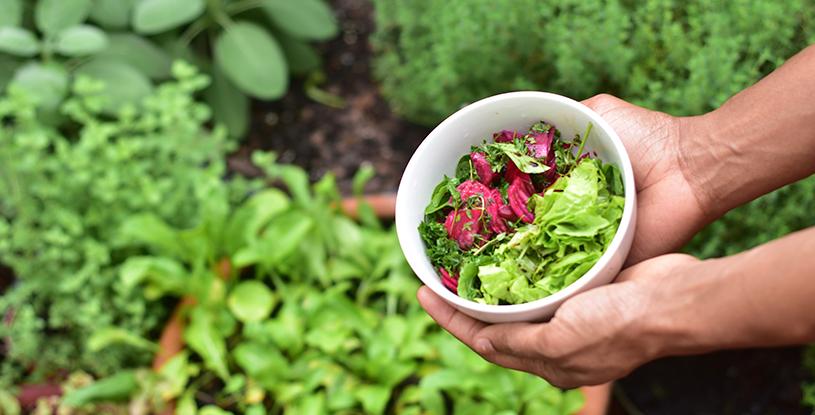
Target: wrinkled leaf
18, 41
81, 40
54, 16
155, 16
251, 301
304, 19
204, 338
230, 106
45, 84
251, 58
113, 14
138, 52
123, 84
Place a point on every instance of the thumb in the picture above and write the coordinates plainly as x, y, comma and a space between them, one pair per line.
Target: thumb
525, 340
658, 266
602, 103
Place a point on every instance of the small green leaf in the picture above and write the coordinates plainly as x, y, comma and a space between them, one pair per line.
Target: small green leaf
45, 84
246, 222
230, 106
303, 19
186, 405
124, 85
373, 398
104, 337
161, 275
81, 40
18, 41
112, 14
9, 404
138, 52
150, 230
252, 60
54, 16
213, 410
156, 16
204, 338
300, 56
115, 387
12, 14
251, 301
261, 362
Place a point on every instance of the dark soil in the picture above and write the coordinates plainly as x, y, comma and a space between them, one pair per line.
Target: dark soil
760, 381
321, 138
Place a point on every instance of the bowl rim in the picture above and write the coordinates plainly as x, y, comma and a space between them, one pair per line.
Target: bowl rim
403, 229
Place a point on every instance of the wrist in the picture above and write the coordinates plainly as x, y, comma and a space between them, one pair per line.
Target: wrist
699, 160
679, 320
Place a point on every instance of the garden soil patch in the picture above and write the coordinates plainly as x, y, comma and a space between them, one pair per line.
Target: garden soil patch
321, 138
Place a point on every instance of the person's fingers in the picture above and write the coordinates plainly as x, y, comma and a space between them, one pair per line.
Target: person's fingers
454, 321
523, 340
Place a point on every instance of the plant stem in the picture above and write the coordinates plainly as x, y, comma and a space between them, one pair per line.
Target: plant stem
193, 30
242, 6
583, 142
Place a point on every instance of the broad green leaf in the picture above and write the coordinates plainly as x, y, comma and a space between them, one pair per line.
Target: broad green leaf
261, 362
251, 58
54, 16
161, 275
373, 398
186, 405
45, 84
175, 374
124, 85
12, 14
312, 404
204, 338
18, 41
251, 301
104, 337
150, 230
300, 56
8, 403
81, 40
246, 222
116, 387
138, 52
112, 14
155, 16
256, 410
304, 19
230, 106
283, 235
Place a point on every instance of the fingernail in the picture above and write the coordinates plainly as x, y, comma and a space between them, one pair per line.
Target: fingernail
484, 346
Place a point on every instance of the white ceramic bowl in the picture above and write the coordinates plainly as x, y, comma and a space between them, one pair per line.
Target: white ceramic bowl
438, 154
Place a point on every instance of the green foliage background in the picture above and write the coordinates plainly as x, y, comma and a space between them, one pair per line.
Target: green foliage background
682, 57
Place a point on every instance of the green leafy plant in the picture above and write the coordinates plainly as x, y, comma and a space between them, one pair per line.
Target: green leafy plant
299, 309
683, 57
248, 47
64, 194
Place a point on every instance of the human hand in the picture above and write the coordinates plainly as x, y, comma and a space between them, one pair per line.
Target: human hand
670, 210
595, 337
